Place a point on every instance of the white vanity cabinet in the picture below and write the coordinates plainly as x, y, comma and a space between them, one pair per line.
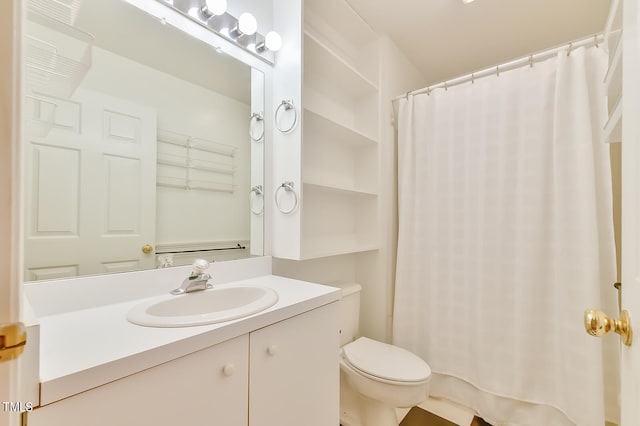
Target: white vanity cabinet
205, 387
288, 370
294, 371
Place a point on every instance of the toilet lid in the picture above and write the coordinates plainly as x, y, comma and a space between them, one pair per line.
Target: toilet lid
385, 361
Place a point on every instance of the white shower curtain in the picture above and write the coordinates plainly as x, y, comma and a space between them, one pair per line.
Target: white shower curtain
506, 237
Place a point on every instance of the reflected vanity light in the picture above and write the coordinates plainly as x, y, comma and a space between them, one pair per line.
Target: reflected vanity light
242, 31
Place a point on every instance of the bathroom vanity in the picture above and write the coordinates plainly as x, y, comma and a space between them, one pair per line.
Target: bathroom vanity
278, 366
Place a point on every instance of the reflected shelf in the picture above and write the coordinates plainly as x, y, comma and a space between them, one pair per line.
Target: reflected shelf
187, 141
57, 55
181, 183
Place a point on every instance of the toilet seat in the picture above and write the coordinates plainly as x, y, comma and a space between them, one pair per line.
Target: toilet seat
385, 362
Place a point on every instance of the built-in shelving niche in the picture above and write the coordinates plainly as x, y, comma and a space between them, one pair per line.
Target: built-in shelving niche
337, 156
337, 221
337, 90
340, 147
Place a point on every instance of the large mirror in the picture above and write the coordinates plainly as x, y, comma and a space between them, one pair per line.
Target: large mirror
143, 145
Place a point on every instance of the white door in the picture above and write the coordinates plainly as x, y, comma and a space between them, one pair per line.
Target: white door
90, 185
9, 282
630, 370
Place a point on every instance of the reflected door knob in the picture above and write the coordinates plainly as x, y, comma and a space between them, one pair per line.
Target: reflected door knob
597, 324
146, 249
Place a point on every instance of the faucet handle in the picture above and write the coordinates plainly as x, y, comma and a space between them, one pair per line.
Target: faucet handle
199, 266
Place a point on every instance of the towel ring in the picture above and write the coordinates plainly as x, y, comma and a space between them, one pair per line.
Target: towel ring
288, 187
288, 105
259, 193
256, 117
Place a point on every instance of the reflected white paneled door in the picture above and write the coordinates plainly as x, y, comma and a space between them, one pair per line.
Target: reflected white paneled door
90, 185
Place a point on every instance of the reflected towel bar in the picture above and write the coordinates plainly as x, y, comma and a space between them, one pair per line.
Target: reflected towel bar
237, 247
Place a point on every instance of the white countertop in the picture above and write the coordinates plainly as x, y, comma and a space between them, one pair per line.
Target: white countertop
86, 348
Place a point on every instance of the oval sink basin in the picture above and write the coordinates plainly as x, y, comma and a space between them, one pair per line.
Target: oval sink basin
203, 307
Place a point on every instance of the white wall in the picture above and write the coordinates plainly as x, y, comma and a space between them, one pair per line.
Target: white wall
185, 215
397, 75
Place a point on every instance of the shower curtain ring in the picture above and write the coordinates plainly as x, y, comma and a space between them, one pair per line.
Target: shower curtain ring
497, 70
530, 61
472, 78
445, 86
569, 50
595, 38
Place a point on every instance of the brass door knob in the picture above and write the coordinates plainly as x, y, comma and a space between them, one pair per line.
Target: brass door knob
146, 249
597, 324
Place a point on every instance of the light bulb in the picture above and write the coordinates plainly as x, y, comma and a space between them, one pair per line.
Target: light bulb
214, 7
247, 24
273, 41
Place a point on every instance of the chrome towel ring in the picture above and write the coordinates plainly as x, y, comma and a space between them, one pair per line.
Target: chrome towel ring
256, 118
288, 106
288, 187
257, 190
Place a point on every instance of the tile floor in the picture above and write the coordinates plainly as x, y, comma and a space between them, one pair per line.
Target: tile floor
419, 417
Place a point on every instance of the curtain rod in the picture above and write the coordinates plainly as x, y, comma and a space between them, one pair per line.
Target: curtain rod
507, 66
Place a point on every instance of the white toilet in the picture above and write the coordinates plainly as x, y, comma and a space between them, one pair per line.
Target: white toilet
375, 377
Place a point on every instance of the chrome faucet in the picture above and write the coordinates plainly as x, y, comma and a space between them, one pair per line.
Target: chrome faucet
198, 280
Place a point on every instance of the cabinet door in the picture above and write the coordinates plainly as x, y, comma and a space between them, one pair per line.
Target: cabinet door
294, 371
208, 387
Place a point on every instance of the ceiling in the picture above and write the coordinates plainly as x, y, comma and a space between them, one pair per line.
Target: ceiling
446, 38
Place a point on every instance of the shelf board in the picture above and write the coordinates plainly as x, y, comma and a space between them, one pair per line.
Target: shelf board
318, 123
338, 189
341, 17
334, 246
322, 67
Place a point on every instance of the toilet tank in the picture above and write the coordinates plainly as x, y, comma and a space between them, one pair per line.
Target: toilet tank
349, 311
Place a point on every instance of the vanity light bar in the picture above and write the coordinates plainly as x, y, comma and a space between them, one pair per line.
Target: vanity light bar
213, 15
